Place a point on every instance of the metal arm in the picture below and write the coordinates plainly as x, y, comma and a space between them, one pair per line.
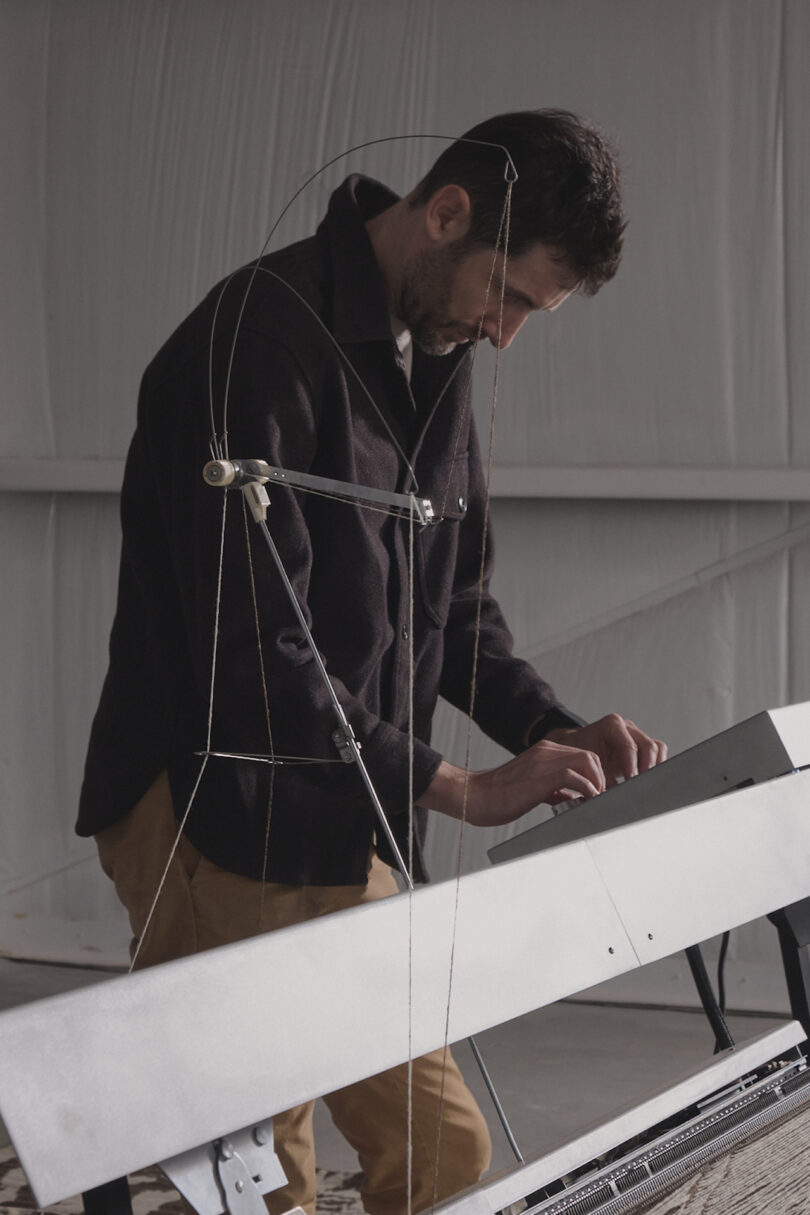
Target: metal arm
241, 472
348, 746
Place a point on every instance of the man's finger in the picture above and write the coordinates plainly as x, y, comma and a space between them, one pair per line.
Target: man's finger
576, 786
651, 751
621, 748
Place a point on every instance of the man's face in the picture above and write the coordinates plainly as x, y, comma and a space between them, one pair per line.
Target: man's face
444, 300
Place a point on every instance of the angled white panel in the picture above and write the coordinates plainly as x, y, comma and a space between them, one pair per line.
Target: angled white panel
685, 876
499, 1192
97, 1083
792, 724
770, 744
213, 1042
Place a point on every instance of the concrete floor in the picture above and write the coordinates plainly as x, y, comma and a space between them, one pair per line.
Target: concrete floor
557, 1071
562, 1069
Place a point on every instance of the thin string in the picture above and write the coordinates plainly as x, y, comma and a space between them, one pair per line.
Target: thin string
266, 700
348, 363
204, 765
218, 451
503, 230
467, 393
279, 760
482, 564
208, 753
510, 176
51, 873
395, 511
410, 852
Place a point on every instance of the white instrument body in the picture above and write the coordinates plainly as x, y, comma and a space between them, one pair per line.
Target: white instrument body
100, 1082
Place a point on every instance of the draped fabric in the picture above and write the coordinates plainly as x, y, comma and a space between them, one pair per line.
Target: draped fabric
149, 147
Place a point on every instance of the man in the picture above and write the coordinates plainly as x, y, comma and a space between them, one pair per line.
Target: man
347, 355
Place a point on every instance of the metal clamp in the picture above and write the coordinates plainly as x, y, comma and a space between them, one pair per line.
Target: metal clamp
239, 1190
231, 1174
346, 743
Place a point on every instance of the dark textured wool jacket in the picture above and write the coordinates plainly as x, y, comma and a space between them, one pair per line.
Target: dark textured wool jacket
299, 400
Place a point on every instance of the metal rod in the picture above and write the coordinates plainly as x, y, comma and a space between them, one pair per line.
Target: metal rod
496, 1101
354, 747
422, 506
346, 729
236, 472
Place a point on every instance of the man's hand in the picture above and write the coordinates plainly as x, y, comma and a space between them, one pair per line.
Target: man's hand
623, 749
547, 772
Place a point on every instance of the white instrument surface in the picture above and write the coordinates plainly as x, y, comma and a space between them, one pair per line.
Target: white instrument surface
98, 1083
722, 1073
770, 744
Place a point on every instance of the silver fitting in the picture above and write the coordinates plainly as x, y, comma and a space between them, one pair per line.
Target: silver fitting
256, 497
343, 737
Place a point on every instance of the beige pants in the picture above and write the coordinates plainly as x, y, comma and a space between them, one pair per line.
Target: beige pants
202, 906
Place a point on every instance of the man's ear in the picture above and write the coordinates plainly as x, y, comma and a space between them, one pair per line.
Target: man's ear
448, 214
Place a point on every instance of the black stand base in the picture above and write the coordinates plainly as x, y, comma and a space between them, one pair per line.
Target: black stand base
113, 1198
793, 925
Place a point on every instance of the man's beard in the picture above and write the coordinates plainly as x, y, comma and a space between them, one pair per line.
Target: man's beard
424, 297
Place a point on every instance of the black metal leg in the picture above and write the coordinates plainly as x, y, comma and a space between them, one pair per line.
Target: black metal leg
113, 1198
793, 925
722, 1034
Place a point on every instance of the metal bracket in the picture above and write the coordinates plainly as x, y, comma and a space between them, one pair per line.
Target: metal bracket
345, 741
224, 473
230, 1174
239, 1190
256, 497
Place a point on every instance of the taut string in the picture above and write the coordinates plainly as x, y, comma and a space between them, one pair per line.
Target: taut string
219, 449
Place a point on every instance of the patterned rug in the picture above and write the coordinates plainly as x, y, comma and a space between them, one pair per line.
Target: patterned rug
152, 1192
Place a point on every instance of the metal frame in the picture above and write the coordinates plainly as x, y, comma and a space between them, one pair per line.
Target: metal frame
511, 1185
770, 744
257, 1009
45, 475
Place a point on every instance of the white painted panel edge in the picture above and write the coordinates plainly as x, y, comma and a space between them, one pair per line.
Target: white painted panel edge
46, 475
527, 933
518, 1181
791, 725
690, 874
61, 476
255, 1013
661, 483
92, 943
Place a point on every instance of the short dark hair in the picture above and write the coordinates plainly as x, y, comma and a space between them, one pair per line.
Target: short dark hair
567, 195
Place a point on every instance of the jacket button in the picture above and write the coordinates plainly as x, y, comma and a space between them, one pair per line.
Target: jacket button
462, 505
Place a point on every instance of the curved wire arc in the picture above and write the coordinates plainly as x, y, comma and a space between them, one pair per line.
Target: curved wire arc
510, 176
219, 449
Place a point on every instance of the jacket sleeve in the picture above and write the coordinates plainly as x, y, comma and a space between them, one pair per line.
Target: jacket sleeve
510, 696
274, 415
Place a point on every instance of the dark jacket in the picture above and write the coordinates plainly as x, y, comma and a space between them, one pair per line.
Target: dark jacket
296, 402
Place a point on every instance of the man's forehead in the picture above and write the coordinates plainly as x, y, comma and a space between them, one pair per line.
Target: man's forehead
537, 277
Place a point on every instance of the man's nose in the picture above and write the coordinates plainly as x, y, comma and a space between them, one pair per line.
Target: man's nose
501, 334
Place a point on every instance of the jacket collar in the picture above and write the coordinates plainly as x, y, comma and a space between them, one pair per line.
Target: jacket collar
359, 305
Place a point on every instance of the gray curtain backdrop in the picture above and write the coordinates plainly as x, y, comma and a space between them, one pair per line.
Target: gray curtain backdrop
147, 148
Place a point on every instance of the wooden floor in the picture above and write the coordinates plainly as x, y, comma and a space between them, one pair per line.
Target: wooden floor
768, 1176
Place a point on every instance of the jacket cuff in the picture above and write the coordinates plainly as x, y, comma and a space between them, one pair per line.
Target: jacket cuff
557, 718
